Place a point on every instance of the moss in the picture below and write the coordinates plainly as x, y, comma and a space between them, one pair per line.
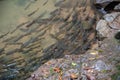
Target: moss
115, 76
118, 67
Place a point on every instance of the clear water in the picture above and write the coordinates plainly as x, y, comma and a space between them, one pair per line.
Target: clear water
14, 12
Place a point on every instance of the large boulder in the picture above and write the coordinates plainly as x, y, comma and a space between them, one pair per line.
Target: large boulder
110, 25
102, 28
113, 20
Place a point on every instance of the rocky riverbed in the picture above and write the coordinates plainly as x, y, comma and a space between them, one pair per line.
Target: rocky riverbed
71, 41
98, 63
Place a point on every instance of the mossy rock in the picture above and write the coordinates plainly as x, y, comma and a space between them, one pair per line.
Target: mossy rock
117, 74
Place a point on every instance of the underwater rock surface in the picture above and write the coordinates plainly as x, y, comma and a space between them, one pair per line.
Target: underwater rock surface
69, 30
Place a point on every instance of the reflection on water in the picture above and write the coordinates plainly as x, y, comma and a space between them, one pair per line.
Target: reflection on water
14, 12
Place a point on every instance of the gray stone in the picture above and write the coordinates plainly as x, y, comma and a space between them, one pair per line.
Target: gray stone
113, 20
102, 1
103, 28
101, 65
110, 17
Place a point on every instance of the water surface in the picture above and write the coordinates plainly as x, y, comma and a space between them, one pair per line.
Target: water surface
15, 12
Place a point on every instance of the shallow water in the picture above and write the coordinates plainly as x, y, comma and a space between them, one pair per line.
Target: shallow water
26, 48
12, 14
15, 12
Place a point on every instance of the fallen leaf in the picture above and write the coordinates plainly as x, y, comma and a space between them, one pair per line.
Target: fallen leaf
87, 68
56, 69
94, 52
90, 77
60, 77
92, 59
74, 64
49, 62
73, 76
